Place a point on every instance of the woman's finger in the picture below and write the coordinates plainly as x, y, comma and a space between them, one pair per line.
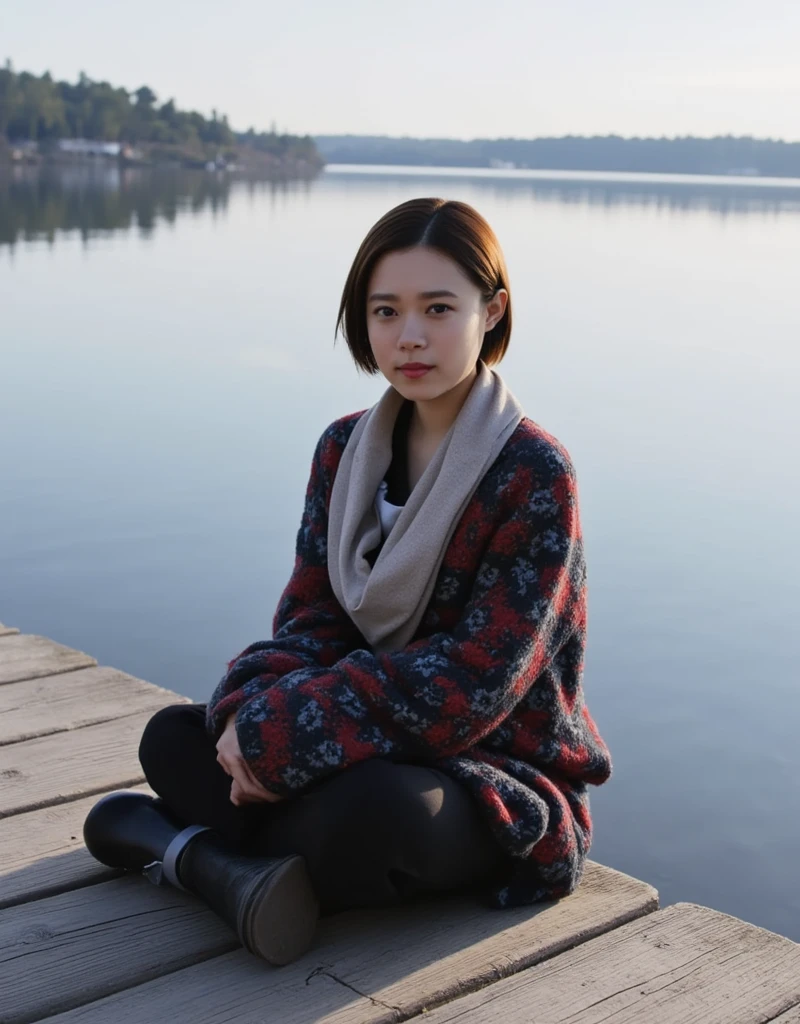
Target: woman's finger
247, 783
241, 795
247, 788
249, 774
255, 788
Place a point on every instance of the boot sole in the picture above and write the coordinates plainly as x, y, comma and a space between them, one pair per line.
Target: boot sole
281, 914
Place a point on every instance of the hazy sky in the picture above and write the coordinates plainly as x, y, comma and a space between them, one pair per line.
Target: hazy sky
448, 68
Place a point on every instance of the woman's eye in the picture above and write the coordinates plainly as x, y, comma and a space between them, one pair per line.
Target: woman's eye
383, 312
439, 307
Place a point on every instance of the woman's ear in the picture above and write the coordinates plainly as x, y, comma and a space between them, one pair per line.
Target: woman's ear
495, 308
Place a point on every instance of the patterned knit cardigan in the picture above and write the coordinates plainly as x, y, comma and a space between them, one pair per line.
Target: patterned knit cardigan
488, 691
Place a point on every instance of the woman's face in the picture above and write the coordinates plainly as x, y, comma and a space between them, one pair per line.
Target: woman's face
422, 308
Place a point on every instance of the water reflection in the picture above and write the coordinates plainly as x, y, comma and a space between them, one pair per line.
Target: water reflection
94, 201
674, 193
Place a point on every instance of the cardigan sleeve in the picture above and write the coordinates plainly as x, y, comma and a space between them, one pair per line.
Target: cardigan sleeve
442, 694
310, 628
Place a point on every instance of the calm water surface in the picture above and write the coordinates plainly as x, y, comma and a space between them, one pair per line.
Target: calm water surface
167, 365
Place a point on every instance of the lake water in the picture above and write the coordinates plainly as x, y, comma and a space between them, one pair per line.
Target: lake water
167, 364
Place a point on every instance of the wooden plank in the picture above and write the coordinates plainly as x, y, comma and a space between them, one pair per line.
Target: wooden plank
62, 951
28, 657
235, 989
42, 853
683, 965
418, 963
7, 630
53, 769
71, 700
387, 964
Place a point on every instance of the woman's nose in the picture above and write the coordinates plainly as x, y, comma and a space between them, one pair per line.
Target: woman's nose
412, 333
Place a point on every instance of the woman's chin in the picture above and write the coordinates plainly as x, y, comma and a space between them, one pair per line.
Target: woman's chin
420, 390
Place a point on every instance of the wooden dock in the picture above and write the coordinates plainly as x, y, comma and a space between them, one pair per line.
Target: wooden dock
80, 943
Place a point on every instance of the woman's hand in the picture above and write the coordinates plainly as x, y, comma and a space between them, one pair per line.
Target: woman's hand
245, 788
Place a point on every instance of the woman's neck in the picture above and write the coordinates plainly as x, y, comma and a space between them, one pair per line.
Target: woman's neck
430, 420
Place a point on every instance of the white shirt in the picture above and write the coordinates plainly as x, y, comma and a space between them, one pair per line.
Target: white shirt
387, 512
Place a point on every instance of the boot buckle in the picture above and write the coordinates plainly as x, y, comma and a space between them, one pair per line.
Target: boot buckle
154, 872
169, 864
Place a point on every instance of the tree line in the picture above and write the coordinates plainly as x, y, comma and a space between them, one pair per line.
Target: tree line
41, 109
689, 155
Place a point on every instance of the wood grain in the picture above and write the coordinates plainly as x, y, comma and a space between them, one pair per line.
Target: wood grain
53, 769
418, 963
385, 965
234, 989
66, 950
71, 700
23, 656
42, 853
790, 1017
683, 965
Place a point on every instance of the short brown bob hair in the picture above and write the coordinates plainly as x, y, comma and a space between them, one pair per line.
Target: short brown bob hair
454, 229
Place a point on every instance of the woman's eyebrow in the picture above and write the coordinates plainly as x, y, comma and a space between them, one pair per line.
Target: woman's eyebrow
440, 293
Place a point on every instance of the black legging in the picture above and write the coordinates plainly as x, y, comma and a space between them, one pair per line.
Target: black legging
376, 834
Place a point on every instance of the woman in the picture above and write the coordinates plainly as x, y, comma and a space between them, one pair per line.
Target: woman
417, 723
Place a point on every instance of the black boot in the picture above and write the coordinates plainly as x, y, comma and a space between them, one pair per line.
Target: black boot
268, 901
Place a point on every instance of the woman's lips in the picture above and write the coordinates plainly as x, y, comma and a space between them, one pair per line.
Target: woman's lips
415, 371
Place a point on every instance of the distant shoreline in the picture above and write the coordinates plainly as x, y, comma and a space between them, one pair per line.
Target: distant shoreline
722, 156
243, 159
616, 181
565, 175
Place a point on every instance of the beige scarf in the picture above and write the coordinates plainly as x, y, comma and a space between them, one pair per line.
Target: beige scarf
388, 600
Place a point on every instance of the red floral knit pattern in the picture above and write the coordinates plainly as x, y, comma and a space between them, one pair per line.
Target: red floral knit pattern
488, 691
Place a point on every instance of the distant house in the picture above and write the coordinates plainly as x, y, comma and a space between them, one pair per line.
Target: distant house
24, 151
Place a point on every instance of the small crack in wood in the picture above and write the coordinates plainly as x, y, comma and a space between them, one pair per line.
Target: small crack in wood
346, 984
641, 984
